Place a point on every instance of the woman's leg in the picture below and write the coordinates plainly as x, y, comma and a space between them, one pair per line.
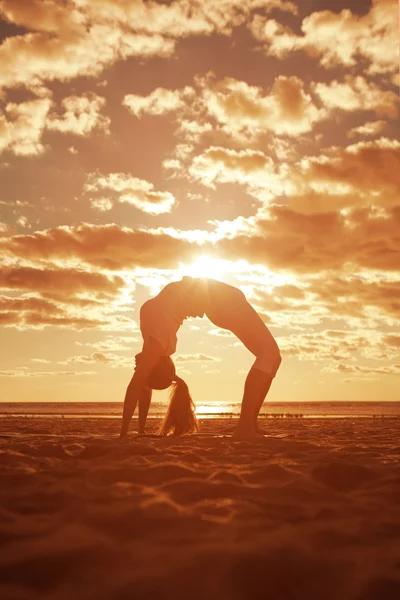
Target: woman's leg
144, 405
232, 311
260, 402
255, 388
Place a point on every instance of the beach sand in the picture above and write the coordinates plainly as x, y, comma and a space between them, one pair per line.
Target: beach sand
314, 515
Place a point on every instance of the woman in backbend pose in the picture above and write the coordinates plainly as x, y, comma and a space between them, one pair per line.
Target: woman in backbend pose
160, 319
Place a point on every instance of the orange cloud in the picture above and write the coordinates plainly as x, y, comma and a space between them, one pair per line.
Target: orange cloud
81, 115
392, 340
368, 129
241, 111
371, 168
281, 239
221, 165
362, 174
195, 358
112, 360
31, 59
282, 5
331, 347
129, 190
191, 130
159, 102
316, 242
82, 38
356, 93
182, 18
102, 203
49, 16
112, 344
366, 371
338, 38
22, 126
241, 108
25, 312
25, 372
60, 281
105, 246
356, 295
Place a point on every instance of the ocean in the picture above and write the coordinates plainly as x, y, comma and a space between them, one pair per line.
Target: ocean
273, 410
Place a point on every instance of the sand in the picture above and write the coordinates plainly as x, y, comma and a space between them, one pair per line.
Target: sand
314, 515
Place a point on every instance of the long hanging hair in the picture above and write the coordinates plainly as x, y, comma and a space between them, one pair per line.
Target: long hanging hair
180, 418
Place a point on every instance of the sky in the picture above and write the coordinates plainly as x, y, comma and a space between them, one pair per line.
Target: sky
253, 141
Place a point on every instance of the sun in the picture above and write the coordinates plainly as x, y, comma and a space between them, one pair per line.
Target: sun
206, 266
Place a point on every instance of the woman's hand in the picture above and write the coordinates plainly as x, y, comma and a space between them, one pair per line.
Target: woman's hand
145, 362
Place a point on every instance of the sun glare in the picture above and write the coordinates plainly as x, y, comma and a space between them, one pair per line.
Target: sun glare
206, 266
212, 408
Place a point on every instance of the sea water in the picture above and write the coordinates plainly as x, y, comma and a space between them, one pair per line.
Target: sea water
272, 410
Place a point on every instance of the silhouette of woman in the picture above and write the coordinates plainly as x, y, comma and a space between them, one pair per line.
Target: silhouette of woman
160, 318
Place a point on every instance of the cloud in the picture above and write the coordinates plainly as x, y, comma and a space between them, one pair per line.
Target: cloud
195, 358
361, 370
392, 340
81, 116
242, 108
192, 131
102, 203
369, 168
49, 16
368, 129
22, 221
319, 347
238, 108
159, 102
182, 18
82, 38
278, 301
64, 297
282, 5
26, 312
25, 372
109, 359
112, 344
42, 361
22, 126
233, 107
365, 297
221, 165
105, 246
36, 57
317, 242
354, 295
220, 332
337, 39
363, 174
356, 93
331, 347
280, 239
62, 281
130, 190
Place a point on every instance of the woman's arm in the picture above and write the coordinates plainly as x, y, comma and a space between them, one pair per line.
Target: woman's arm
150, 356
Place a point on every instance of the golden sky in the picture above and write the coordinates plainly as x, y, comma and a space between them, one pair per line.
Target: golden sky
254, 141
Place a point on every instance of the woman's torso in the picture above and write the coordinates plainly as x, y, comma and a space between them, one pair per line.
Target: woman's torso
161, 316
